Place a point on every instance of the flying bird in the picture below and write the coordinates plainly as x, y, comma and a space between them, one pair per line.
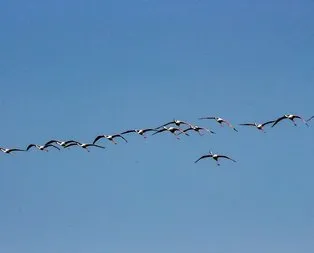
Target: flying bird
8, 150
220, 121
140, 131
41, 147
176, 122
197, 129
172, 130
60, 143
291, 117
83, 145
109, 137
259, 126
215, 157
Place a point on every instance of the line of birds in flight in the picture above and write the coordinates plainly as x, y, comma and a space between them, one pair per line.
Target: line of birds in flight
174, 127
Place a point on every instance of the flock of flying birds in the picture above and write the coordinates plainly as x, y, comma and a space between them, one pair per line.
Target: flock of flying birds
174, 127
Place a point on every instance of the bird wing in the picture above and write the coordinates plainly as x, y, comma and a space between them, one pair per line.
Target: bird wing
51, 141
309, 119
227, 157
71, 141
207, 118
30, 146
71, 144
171, 122
98, 137
149, 130
159, 131
16, 149
119, 135
268, 122
94, 145
247, 124
50, 145
278, 120
202, 157
128, 131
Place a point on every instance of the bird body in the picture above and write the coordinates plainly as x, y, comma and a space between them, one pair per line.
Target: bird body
175, 122
172, 130
60, 143
84, 145
9, 150
220, 121
291, 117
41, 147
109, 137
215, 157
259, 126
140, 131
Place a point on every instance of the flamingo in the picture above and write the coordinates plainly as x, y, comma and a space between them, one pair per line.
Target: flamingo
60, 143
172, 130
8, 150
84, 145
41, 147
176, 122
215, 157
220, 121
109, 137
140, 131
291, 117
198, 129
259, 126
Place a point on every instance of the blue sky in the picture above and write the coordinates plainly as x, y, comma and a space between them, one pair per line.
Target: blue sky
76, 69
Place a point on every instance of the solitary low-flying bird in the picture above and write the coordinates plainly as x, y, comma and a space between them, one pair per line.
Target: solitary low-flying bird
140, 131
221, 121
83, 145
198, 129
176, 122
60, 143
109, 137
172, 130
291, 117
215, 157
9, 150
41, 147
259, 126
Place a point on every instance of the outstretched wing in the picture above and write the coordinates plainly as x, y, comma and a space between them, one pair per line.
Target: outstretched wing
207, 118
227, 157
30, 146
98, 137
50, 145
159, 131
71, 144
129, 131
268, 122
50, 142
202, 157
16, 149
310, 119
169, 123
247, 124
278, 120
120, 136
93, 145
149, 130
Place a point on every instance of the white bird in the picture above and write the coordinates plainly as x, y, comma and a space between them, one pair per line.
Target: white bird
60, 143
291, 117
220, 121
8, 150
259, 126
172, 130
198, 129
83, 145
41, 147
176, 122
215, 157
140, 131
109, 137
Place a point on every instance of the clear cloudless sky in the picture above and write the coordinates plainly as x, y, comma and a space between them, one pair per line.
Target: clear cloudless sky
75, 69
